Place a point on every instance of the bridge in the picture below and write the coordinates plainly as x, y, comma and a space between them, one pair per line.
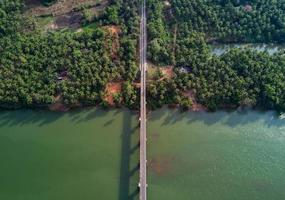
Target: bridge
143, 68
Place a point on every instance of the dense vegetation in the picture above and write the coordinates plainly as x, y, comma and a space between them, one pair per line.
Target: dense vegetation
233, 20
238, 77
9, 17
40, 68
220, 20
178, 35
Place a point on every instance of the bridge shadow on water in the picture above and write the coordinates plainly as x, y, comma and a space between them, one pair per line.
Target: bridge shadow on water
129, 167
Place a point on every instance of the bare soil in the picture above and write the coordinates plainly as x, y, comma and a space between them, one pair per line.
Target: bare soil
115, 34
64, 12
34, 7
111, 89
114, 30
58, 106
167, 71
71, 20
196, 107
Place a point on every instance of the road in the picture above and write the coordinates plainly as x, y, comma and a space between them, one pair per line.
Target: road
143, 68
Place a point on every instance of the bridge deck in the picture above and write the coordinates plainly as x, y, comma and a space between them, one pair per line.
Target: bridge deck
143, 66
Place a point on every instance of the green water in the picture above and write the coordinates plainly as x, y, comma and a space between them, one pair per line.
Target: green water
93, 154
86, 155
216, 156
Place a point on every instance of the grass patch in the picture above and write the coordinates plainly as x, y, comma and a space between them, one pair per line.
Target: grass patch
43, 21
92, 26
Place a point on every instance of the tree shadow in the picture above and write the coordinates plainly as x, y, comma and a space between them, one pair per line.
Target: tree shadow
28, 116
127, 189
39, 117
86, 114
231, 118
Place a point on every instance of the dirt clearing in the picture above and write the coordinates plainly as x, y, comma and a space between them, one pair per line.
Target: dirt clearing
111, 89
167, 72
195, 106
61, 7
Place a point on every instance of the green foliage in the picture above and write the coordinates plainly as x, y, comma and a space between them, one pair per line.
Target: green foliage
186, 104
238, 77
159, 38
35, 69
112, 15
38, 68
162, 92
88, 17
232, 20
10, 17
118, 99
130, 95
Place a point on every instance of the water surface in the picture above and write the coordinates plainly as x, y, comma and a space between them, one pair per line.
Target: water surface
93, 154
216, 156
219, 49
83, 155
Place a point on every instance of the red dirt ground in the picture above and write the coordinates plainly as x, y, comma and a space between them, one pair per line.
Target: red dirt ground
114, 29
196, 106
167, 71
111, 89
115, 32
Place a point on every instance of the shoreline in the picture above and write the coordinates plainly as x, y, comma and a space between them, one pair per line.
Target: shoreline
200, 109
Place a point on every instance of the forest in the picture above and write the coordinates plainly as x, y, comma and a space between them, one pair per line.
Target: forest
74, 67
180, 34
233, 20
39, 69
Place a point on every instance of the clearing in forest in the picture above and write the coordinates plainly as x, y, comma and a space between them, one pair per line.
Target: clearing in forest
63, 13
111, 89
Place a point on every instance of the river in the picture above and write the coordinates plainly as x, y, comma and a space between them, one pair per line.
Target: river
219, 49
93, 154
